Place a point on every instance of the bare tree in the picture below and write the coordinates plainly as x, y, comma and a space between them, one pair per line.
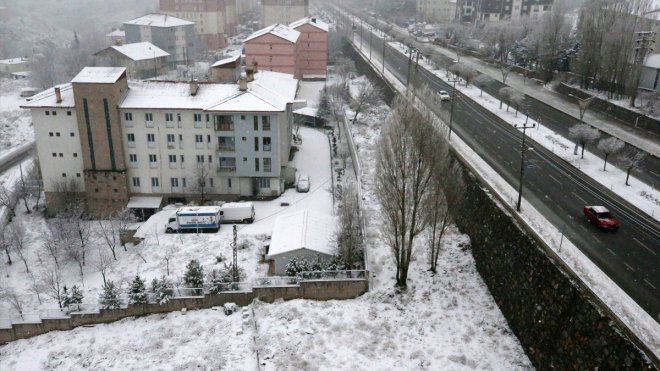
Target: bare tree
630, 160
168, 255
35, 182
505, 70
16, 235
23, 190
345, 68
368, 95
200, 183
466, 73
481, 81
404, 169
14, 300
349, 231
36, 287
505, 95
582, 134
8, 199
108, 232
610, 146
51, 279
69, 197
104, 263
4, 244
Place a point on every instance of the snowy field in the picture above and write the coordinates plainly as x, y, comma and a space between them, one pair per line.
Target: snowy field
15, 122
446, 321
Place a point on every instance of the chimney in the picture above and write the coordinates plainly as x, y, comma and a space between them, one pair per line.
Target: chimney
58, 95
194, 87
242, 83
249, 73
313, 20
119, 42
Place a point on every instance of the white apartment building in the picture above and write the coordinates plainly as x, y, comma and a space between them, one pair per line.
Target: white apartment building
164, 137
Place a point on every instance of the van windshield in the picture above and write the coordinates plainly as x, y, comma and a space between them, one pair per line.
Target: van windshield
605, 215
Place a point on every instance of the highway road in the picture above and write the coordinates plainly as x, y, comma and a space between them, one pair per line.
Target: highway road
557, 190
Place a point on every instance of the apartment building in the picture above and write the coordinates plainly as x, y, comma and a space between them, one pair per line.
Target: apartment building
141, 60
437, 11
274, 48
496, 10
119, 139
174, 35
215, 20
283, 11
313, 47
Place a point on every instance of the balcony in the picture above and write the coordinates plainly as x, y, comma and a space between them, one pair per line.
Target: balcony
171, 145
150, 124
173, 165
133, 165
130, 144
225, 148
198, 124
128, 124
226, 169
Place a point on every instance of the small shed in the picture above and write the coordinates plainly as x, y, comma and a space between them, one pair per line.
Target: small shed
143, 207
304, 234
227, 70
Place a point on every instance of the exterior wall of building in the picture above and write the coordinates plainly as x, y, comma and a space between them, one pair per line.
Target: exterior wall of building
283, 11
179, 41
650, 78
228, 74
273, 54
214, 19
9, 68
437, 10
313, 50
178, 157
58, 147
141, 69
101, 137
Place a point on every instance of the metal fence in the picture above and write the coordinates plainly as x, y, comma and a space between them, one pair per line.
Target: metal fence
332, 275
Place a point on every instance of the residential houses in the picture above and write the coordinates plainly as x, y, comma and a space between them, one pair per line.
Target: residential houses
214, 20
173, 35
313, 47
116, 139
13, 66
283, 11
141, 60
274, 48
116, 37
437, 11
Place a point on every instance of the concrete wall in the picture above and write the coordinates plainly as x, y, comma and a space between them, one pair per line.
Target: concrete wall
314, 290
623, 114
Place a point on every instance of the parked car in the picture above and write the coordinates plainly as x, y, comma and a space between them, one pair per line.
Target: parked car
444, 95
602, 217
303, 183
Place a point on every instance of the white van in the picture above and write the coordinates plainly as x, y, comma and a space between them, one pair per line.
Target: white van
237, 212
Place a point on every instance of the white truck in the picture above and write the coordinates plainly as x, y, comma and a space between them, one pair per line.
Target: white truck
237, 212
195, 218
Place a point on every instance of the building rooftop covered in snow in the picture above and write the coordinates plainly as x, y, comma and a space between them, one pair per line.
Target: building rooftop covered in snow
171, 34
142, 60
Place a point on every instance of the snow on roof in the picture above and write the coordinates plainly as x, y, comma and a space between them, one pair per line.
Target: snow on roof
236, 205
279, 30
224, 61
307, 111
144, 202
269, 92
141, 51
47, 98
198, 210
310, 20
116, 33
159, 20
99, 75
305, 229
14, 61
653, 61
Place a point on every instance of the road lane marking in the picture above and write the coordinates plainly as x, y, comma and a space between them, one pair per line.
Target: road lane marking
581, 199
555, 179
649, 283
644, 246
629, 267
610, 250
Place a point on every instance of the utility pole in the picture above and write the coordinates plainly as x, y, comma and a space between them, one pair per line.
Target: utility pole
645, 40
410, 60
524, 128
451, 107
234, 248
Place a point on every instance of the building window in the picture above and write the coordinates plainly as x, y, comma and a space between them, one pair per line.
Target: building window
68, 113
174, 182
256, 164
182, 158
226, 144
171, 139
77, 175
267, 165
229, 182
128, 116
169, 117
200, 159
172, 158
136, 182
199, 138
75, 154
148, 117
154, 182
256, 144
63, 175
242, 117
47, 113
50, 134
224, 123
131, 139
211, 182
54, 113
265, 123
61, 154
197, 117
263, 182
183, 182
266, 146
178, 117
57, 134
72, 134
256, 122
151, 138
210, 159
54, 154
152, 158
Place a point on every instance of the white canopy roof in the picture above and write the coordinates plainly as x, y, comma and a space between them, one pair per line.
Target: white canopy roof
137, 202
305, 229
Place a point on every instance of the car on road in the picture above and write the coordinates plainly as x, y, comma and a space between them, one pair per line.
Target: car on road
303, 183
444, 95
601, 217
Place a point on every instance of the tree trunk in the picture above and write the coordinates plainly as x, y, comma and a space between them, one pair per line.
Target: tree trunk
10, 262
604, 165
583, 145
628, 175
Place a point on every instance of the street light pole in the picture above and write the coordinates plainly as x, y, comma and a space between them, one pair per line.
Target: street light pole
451, 107
524, 128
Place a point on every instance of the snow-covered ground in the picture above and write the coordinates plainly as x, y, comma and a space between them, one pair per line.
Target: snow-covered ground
626, 309
15, 122
443, 321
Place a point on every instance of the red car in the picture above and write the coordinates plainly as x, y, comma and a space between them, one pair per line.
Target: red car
601, 217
